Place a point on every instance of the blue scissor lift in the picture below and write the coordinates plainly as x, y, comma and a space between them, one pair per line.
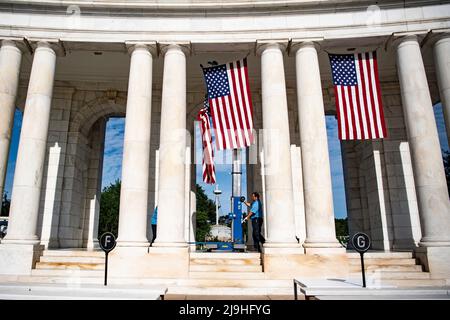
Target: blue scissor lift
237, 232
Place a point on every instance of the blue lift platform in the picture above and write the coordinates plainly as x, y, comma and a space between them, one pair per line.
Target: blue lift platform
237, 244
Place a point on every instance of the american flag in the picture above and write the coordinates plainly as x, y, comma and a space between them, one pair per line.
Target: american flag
209, 175
358, 96
231, 104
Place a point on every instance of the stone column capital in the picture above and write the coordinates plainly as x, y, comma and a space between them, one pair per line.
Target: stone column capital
54, 45
401, 38
15, 42
185, 47
297, 44
441, 37
262, 45
150, 46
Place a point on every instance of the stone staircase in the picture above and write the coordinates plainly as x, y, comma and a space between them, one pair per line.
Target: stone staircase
222, 273
391, 268
72, 265
226, 273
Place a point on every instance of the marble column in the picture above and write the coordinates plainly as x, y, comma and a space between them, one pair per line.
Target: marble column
317, 188
277, 157
136, 150
429, 176
442, 63
172, 150
32, 147
10, 59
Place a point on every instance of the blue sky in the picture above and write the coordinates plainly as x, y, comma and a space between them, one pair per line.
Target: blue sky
112, 160
112, 163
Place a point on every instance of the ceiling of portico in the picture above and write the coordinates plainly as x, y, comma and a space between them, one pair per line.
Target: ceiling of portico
108, 63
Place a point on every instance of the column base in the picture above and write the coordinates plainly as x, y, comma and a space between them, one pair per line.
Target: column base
436, 260
282, 248
133, 243
323, 248
141, 262
169, 245
290, 265
19, 259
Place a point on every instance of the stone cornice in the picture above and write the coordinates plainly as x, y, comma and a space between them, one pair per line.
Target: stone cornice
217, 5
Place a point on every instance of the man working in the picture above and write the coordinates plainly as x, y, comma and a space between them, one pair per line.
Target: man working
256, 217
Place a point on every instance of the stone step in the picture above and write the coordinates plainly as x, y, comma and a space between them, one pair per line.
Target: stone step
72, 259
73, 253
225, 268
67, 273
229, 291
235, 283
33, 291
381, 255
394, 275
225, 255
226, 275
70, 266
222, 261
407, 268
383, 262
411, 282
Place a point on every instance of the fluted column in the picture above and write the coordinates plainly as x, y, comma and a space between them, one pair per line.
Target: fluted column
172, 150
10, 59
442, 63
429, 176
318, 196
136, 150
32, 147
277, 158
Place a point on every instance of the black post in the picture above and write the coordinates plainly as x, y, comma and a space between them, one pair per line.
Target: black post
362, 269
295, 291
106, 268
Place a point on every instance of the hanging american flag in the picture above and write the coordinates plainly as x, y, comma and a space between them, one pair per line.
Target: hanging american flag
358, 96
209, 175
231, 104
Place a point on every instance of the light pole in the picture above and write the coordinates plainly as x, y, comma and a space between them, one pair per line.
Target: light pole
217, 194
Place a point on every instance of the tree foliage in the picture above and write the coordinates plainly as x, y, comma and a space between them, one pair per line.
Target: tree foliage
6, 203
341, 227
205, 213
109, 209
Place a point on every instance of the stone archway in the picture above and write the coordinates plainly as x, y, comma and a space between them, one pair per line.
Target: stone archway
82, 175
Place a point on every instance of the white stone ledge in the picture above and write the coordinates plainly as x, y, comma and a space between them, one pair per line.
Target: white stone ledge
234, 28
217, 5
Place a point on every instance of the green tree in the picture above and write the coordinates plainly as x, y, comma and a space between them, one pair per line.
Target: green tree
6, 203
109, 209
341, 227
205, 213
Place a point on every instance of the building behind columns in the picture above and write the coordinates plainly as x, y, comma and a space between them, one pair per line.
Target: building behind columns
71, 68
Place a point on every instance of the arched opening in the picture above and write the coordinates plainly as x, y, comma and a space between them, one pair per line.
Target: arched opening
10, 168
111, 175
91, 161
337, 179
212, 223
443, 139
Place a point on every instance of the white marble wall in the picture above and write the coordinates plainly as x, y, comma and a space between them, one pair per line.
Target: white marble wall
380, 183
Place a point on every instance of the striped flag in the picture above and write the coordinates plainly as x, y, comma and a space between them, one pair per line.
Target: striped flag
231, 104
358, 96
209, 175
